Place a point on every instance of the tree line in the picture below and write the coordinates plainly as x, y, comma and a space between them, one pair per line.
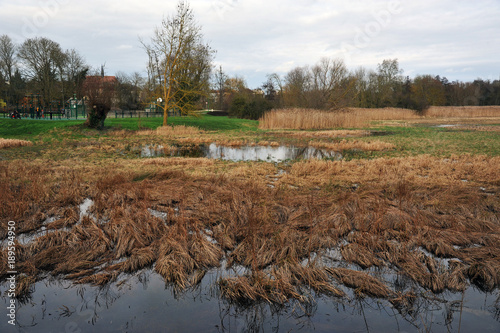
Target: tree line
329, 85
39, 66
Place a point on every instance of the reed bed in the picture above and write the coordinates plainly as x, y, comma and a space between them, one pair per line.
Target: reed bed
326, 227
375, 145
329, 134
304, 119
463, 111
10, 143
319, 119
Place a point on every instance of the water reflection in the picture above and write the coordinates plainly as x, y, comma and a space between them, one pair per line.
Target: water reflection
152, 151
267, 153
143, 303
243, 153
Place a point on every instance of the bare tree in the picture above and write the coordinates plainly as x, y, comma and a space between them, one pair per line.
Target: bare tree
277, 82
328, 76
7, 57
184, 62
43, 60
74, 71
128, 90
220, 85
297, 87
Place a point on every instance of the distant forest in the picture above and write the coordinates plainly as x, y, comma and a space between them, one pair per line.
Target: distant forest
330, 85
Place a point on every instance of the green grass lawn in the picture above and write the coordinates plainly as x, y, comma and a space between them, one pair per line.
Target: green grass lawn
206, 122
28, 129
440, 141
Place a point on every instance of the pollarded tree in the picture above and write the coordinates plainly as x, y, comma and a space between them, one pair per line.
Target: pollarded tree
182, 60
99, 92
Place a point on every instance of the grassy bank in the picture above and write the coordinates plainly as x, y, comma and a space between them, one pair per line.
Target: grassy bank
29, 129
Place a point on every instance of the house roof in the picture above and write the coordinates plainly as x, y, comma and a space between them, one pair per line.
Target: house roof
106, 79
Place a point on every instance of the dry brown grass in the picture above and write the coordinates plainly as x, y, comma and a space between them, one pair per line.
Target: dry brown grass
179, 130
402, 216
361, 117
329, 134
463, 111
10, 143
318, 119
363, 283
353, 144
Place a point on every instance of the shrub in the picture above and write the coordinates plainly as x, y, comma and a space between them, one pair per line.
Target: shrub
249, 108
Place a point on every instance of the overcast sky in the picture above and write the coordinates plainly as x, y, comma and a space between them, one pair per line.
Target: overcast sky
458, 39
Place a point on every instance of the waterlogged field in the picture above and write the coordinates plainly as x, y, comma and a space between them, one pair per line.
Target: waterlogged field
215, 225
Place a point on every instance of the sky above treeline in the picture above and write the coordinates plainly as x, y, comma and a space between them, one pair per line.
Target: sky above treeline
456, 39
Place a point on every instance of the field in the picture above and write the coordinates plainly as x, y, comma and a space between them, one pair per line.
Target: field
410, 211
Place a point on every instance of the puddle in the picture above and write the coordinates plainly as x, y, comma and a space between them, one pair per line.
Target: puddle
243, 153
143, 303
84, 208
152, 151
267, 153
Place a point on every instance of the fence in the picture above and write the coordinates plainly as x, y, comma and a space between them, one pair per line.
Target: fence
141, 114
82, 114
50, 115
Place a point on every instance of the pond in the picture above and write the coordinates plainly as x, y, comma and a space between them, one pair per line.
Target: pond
142, 303
245, 153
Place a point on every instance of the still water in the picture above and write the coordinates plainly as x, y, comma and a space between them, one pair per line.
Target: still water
142, 303
245, 153
267, 153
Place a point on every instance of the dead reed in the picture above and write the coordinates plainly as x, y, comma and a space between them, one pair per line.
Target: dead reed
10, 143
361, 117
329, 134
319, 119
463, 111
353, 144
362, 282
402, 216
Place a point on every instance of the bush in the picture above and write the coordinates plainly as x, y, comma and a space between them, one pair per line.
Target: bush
249, 108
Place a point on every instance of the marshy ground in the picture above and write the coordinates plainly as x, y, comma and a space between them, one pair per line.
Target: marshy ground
409, 214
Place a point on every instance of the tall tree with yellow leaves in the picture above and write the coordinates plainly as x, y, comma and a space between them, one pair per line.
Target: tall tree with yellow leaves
180, 63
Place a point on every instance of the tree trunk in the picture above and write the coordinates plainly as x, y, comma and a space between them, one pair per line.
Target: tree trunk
96, 116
